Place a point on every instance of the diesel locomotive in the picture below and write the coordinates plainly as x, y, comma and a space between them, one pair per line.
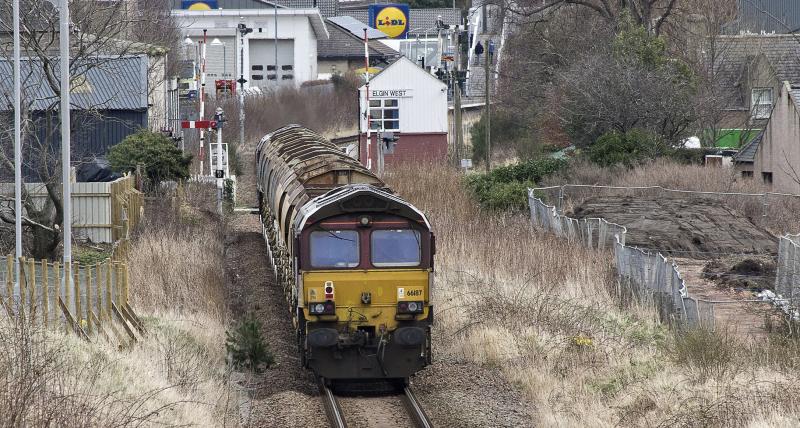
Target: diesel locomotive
354, 259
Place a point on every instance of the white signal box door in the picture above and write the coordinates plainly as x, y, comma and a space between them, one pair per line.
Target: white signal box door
213, 163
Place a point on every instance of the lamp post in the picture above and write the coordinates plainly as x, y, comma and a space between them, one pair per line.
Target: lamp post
66, 195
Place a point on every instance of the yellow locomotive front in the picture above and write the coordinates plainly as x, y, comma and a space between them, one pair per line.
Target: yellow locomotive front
364, 266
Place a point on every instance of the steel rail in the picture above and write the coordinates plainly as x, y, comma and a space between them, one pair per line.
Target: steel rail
415, 410
332, 407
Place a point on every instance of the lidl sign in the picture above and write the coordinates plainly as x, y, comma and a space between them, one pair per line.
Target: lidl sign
391, 19
199, 4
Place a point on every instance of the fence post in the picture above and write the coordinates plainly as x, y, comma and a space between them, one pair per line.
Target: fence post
764, 205
98, 274
108, 288
32, 287
125, 283
45, 292
9, 280
561, 199
88, 276
118, 283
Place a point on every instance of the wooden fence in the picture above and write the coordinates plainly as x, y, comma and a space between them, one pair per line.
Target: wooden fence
87, 300
101, 212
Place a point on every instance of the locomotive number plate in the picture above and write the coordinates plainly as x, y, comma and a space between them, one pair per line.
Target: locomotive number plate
411, 293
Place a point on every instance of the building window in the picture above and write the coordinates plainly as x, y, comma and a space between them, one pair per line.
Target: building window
767, 177
384, 114
761, 102
747, 174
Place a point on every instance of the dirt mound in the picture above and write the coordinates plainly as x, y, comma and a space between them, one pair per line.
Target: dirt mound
753, 273
698, 228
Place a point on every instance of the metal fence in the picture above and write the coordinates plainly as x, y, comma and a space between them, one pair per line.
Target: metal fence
787, 282
648, 277
94, 300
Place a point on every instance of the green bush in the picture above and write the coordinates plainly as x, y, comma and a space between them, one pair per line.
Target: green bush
157, 154
629, 148
506, 188
246, 347
532, 170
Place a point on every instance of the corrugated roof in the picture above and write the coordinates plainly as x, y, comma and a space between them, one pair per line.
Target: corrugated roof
748, 152
420, 19
734, 54
102, 83
342, 44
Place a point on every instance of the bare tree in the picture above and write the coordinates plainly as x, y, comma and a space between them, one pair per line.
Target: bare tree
651, 14
100, 33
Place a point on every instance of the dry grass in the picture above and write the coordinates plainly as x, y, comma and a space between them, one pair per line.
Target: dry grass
175, 375
544, 313
781, 211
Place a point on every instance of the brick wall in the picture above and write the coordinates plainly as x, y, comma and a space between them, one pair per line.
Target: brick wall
411, 147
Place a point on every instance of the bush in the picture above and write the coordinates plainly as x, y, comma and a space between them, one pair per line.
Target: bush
156, 153
505, 188
628, 149
246, 347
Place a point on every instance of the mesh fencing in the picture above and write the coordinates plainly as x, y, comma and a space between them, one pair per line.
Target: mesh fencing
787, 283
646, 276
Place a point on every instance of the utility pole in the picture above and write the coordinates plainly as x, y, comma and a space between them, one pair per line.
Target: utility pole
488, 108
366, 96
17, 146
275, 7
459, 138
63, 41
203, 98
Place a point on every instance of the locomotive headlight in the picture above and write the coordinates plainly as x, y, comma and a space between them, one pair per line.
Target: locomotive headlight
410, 307
364, 221
327, 308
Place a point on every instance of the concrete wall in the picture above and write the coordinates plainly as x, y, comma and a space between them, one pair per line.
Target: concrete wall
293, 24
421, 148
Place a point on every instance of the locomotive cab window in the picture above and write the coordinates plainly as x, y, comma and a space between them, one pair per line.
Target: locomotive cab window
334, 249
395, 248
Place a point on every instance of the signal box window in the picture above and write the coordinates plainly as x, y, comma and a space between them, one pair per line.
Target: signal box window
334, 249
384, 114
395, 248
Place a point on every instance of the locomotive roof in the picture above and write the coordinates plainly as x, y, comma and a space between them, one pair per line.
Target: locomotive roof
335, 202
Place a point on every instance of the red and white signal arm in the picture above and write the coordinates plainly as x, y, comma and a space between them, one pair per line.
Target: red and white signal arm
201, 124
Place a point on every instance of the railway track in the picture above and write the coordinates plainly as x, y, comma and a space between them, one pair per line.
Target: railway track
337, 418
